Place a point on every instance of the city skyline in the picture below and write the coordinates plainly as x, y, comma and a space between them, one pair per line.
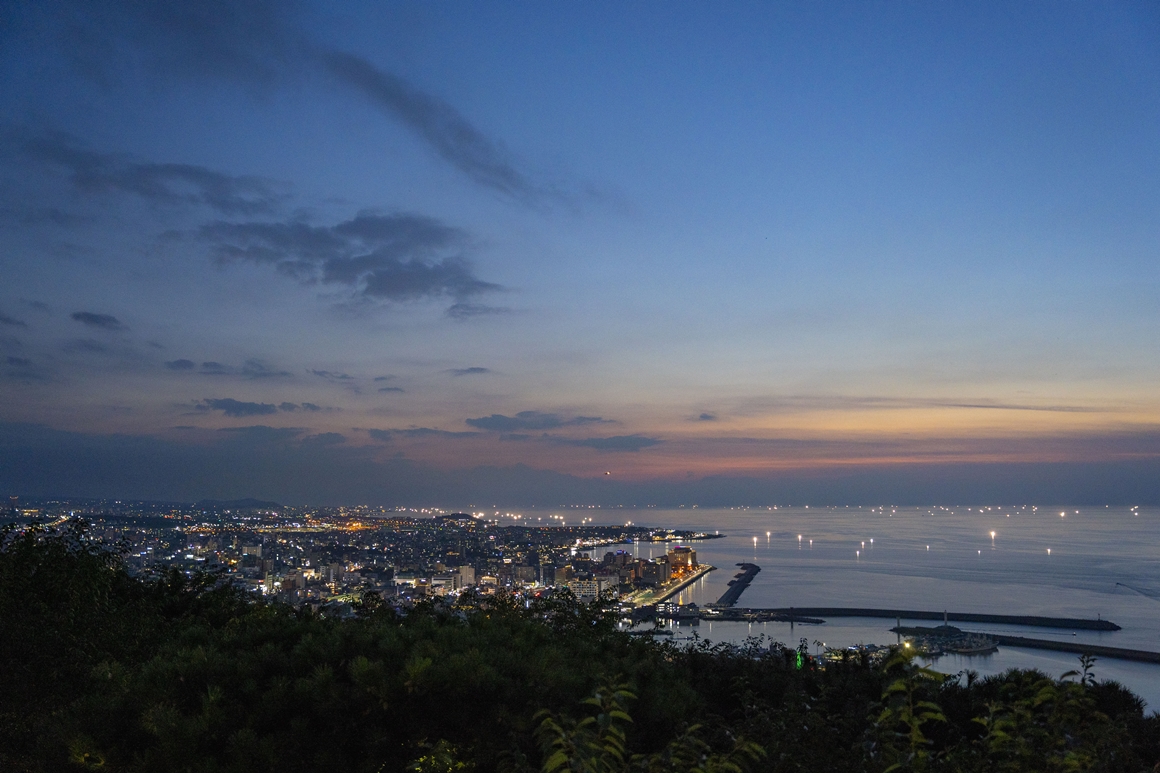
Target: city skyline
529, 254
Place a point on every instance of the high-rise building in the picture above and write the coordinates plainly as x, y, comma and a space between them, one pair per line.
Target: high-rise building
682, 556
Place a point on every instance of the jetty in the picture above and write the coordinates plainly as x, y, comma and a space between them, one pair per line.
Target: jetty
1077, 624
1079, 648
737, 586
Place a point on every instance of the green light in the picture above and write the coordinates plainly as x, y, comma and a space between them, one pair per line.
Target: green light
799, 661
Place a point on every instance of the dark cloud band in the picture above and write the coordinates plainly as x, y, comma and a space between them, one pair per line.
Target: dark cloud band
393, 257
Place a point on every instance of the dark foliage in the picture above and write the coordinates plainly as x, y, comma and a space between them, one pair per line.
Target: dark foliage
107, 671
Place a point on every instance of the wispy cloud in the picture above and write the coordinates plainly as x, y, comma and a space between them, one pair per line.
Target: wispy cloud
260, 433
465, 311
442, 127
806, 403
251, 369
101, 173
237, 408
331, 375
386, 435
102, 321
7, 320
473, 371
264, 43
531, 420
631, 443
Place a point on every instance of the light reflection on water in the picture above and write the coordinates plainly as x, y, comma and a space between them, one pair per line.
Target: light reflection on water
1103, 562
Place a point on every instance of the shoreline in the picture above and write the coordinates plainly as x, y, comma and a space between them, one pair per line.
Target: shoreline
663, 594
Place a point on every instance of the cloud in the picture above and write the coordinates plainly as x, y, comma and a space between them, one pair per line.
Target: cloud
19, 362
7, 320
232, 407
474, 371
389, 257
386, 435
531, 420
325, 439
102, 321
261, 433
181, 365
331, 375
446, 131
258, 369
384, 378
252, 368
464, 311
267, 463
391, 389
311, 407
98, 174
707, 417
262, 42
805, 403
615, 443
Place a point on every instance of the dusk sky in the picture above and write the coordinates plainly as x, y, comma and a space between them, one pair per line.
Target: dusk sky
728, 253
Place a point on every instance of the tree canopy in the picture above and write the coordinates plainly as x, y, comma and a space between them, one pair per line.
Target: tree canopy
107, 671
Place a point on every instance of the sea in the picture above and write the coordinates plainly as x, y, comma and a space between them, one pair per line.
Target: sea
1057, 561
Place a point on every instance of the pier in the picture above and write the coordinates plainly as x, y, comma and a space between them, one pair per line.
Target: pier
737, 586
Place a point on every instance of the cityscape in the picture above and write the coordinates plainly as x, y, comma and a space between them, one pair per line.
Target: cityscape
328, 558
394, 386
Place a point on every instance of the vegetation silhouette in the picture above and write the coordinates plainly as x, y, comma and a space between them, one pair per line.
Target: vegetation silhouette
103, 670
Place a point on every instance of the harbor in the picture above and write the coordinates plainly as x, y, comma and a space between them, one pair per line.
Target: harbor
929, 642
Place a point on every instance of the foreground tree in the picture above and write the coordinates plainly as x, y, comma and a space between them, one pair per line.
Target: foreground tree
105, 671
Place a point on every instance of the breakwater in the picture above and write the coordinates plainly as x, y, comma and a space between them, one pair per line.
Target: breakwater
1078, 648
1078, 624
738, 585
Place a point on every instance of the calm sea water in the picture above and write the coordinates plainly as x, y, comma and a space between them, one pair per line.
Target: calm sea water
1057, 561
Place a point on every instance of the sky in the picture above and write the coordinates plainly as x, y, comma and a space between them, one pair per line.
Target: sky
552, 253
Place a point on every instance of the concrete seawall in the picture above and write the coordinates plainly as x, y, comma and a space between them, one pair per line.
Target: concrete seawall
1077, 624
1078, 648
